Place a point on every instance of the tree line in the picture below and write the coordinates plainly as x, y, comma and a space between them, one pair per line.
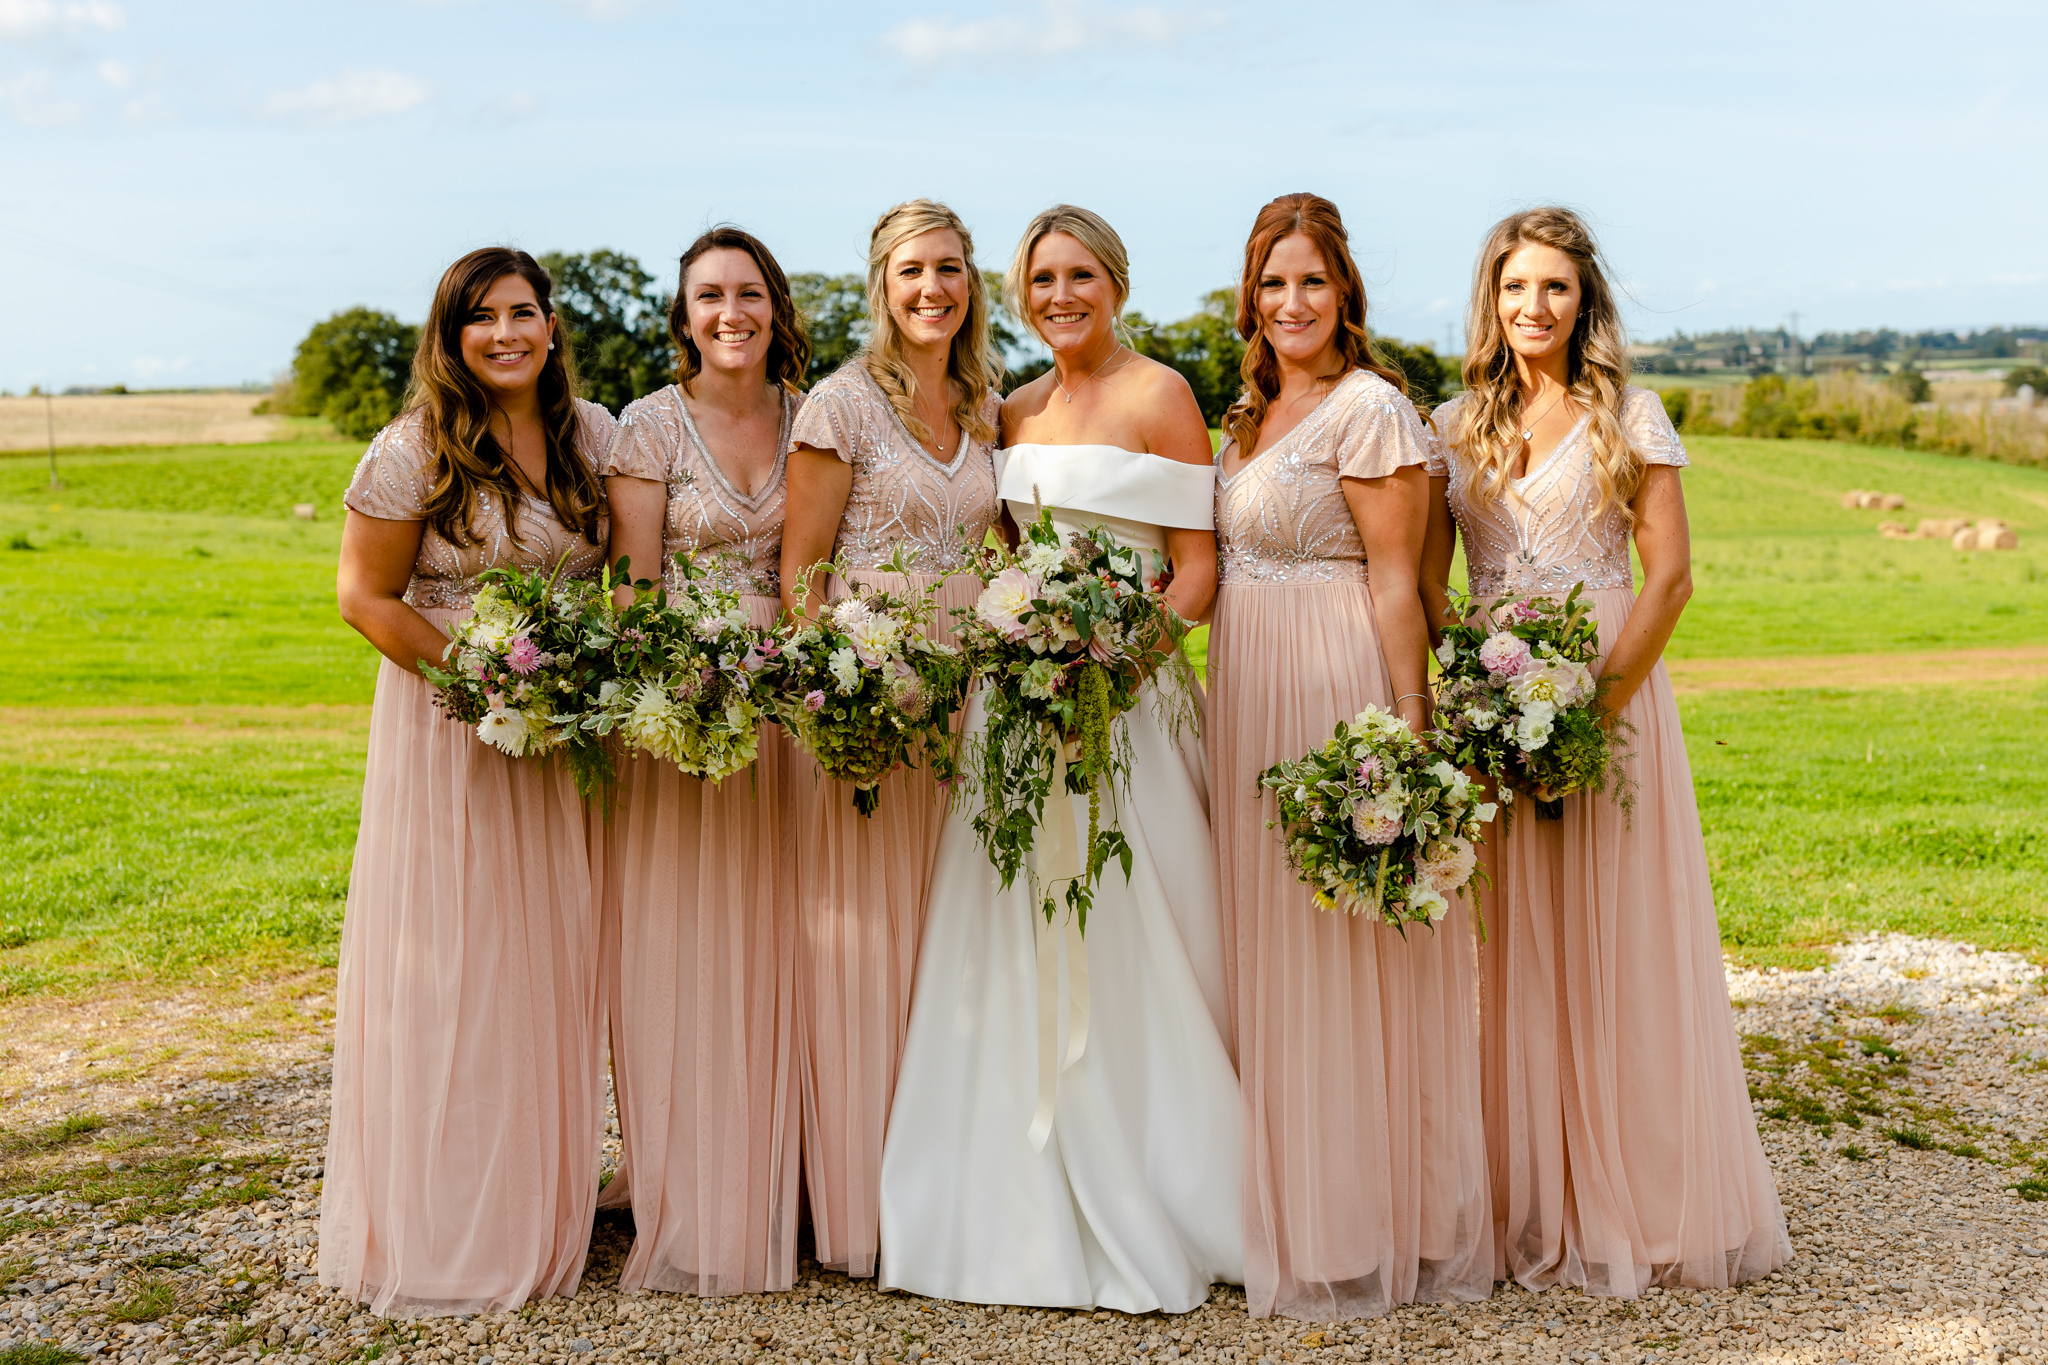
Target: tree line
352, 368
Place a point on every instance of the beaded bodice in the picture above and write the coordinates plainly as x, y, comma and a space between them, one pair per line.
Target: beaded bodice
1545, 533
396, 475
1282, 518
902, 494
735, 538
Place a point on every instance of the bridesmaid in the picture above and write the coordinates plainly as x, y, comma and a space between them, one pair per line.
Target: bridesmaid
701, 916
1622, 1149
1364, 1177
468, 1091
894, 449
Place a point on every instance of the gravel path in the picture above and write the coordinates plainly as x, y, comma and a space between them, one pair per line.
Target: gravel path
1901, 1098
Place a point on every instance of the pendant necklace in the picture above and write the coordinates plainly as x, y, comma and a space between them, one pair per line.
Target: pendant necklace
1116, 351
1541, 415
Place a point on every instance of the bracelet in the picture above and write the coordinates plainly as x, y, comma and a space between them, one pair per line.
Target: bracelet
1406, 695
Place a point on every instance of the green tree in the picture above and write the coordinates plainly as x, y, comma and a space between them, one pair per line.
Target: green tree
2033, 376
1911, 385
618, 321
835, 313
352, 369
1204, 347
1429, 375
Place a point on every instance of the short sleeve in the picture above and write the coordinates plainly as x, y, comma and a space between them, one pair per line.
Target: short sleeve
1648, 428
396, 473
830, 418
643, 445
1380, 432
1442, 422
594, 429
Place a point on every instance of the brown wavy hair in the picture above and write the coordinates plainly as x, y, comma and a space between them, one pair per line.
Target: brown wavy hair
789, 345
456, 409
971, 363
1488, 432
1317, 219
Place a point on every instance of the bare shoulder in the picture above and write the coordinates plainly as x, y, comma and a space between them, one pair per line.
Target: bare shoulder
1025, 402
1170, 417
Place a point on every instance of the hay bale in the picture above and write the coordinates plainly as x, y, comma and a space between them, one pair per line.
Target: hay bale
1891, 530
1853, 499
304, 510
1940, 528
1890, 502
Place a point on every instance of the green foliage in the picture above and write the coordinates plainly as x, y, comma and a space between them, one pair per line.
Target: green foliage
617, 319
1911, 385
1430, 376
149, 1298
353, 369
835, 312
38, 1353
1204, 347
2032, 376
1677, 406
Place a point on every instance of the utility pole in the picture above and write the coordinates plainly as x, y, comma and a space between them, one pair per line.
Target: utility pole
50, 430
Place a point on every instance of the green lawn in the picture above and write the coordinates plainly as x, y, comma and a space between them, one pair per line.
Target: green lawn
183, 755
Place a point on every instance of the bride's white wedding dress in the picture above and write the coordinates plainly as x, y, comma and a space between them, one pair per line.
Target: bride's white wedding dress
1130, 1200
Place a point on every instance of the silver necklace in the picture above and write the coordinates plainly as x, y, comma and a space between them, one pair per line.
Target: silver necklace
1541, 415
1115, 351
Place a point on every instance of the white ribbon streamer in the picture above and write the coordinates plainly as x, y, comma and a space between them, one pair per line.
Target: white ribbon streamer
1056, 857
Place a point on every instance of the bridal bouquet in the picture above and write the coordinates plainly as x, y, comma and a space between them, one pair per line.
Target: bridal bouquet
1518, 701
1374, 822
864, 690
691, 678
1064, 637
526, 670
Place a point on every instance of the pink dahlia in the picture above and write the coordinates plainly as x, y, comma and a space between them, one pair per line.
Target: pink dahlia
1503, 654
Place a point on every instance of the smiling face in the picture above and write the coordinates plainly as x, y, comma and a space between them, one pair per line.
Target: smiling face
927, 288
1071, 298
1538, 301
1301, 309
505, 338
731, 315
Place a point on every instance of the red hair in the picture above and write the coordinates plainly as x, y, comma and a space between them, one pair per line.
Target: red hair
1317, 219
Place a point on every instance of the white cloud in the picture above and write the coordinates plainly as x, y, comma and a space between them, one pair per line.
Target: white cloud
1053, 28
346, 98
35, 100
24, 21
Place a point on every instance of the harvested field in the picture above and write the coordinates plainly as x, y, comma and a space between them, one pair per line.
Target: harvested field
1931, 668
133, 419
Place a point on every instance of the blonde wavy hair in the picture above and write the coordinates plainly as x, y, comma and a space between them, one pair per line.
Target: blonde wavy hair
1092, 232
1488, 432
972, 363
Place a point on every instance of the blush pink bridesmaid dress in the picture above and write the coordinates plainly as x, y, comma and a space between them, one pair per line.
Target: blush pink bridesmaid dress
1357, 1049
862, 880
468, 1083
1622, 1145
700, 927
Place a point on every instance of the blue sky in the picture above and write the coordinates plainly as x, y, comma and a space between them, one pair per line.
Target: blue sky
185, 187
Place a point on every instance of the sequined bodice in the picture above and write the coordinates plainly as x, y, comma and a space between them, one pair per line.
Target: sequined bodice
396, 475
735, 538
1282, 518
1545, 533
902, 494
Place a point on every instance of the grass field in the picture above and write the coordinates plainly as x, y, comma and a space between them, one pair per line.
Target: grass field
186, 715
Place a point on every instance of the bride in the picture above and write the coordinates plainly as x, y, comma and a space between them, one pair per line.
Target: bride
1109, 1178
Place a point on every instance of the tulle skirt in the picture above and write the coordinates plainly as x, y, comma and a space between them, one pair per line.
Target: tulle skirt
1623, 1149
861, 888
700, 965
468, 1087
1365, 1163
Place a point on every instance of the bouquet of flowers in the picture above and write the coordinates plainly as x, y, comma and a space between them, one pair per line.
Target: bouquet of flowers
1064, 637
526, 669
1375, 822
691, 678
864, 690
1517, 699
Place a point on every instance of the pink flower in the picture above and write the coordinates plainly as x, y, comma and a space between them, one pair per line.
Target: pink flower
1503, 654
814, 700
755, 660
1006, 601
1368, 769
522, 656
1519, 612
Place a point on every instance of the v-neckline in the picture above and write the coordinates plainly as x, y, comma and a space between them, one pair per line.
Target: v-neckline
1550, 458
959, 451
752, 502
1225, 480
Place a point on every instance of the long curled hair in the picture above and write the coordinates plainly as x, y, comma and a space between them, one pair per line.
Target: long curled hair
1092, 231
971, 363
456, 409
789, 345
1317, 219
1488, 432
